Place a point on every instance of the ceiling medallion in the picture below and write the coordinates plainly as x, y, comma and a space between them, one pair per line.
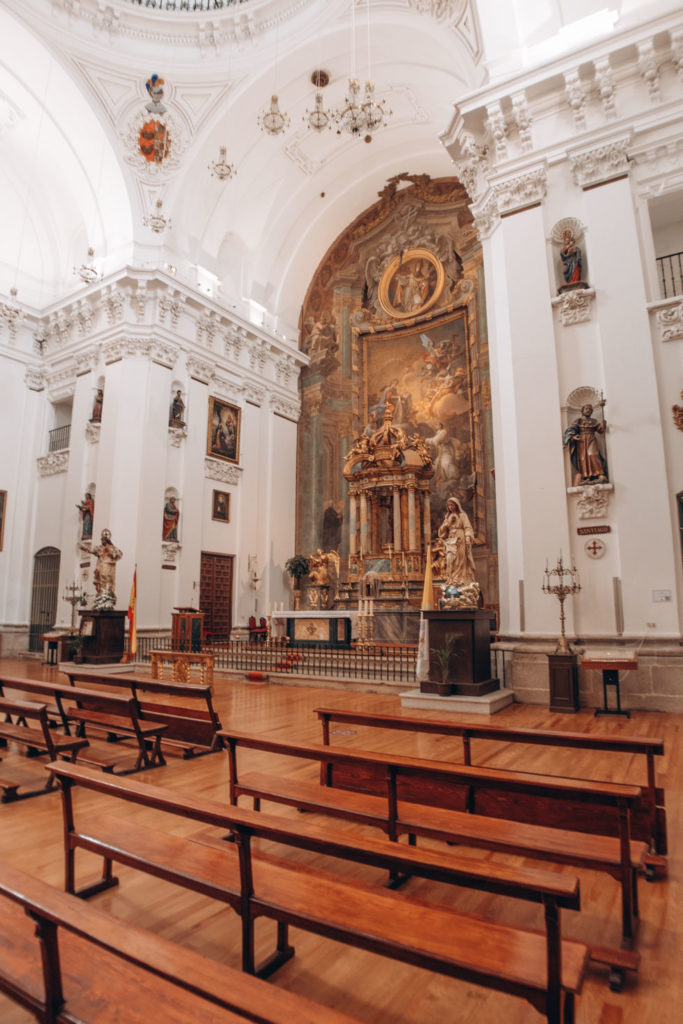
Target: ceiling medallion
220, 168
273, 121
156, 220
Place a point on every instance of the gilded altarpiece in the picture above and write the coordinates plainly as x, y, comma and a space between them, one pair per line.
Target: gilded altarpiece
394, 320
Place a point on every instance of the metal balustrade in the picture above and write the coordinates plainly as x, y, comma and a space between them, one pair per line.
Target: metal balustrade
670, 271
59, 438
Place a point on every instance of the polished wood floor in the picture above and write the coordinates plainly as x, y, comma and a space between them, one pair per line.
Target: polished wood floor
364, 985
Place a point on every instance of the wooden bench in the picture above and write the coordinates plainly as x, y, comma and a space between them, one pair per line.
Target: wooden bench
65, 961
540, 967
193, 730
116, 716
648, 822
394, 810
38, 739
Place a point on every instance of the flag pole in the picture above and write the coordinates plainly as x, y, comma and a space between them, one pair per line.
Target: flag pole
422, 662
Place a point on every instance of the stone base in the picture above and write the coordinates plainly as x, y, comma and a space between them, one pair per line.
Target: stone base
460, 689
488, 704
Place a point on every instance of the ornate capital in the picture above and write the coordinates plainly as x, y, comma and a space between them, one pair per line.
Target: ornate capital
290, 410
176, 435
486, 216
523, 190
171, 550
55, 462
575, 305
200, 369
225, 472
34, 378
593, 500
594, 166
254, 394
92, 432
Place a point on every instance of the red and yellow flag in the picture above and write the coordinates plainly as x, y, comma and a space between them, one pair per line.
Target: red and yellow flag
132, 616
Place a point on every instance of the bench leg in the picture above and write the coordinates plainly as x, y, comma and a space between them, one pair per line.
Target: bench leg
107, 881
283, 953
568, 1008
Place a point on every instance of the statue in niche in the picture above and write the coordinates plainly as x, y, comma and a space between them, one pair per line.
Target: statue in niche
169, 530
570, 254
322, 337
570, 267
97, 406
104, 576
87, 510
177, 411
581, 438
324, 575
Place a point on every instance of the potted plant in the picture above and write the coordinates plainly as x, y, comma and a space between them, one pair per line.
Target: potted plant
76, 647
444, 654
297, 566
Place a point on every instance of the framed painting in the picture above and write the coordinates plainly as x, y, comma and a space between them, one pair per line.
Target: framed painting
411, 284
220, 507
223, 441
3, 505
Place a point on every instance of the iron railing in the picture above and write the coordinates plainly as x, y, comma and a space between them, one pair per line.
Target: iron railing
59, 438
670, 269
371, 662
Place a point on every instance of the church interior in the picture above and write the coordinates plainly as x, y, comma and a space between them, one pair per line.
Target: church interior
340, 367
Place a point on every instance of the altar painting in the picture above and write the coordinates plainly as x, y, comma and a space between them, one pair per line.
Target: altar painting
422, 375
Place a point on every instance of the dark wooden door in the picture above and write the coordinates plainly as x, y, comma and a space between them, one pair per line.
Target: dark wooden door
215, 595
43, 595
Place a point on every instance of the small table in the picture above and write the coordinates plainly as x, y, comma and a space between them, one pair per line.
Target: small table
610, 668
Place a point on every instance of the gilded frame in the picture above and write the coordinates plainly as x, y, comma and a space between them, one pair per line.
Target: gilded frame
220, 509
404, 290
223, 433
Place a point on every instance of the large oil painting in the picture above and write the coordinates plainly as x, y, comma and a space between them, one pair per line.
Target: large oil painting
223, 440
422, 376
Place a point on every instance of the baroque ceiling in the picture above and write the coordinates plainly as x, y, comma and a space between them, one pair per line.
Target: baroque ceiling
73, 104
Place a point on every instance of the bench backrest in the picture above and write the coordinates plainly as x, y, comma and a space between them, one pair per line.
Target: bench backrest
523, 883
565, 803
648, 822
164, 963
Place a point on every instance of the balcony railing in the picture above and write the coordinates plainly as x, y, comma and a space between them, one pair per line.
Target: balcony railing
670, 271
59, 438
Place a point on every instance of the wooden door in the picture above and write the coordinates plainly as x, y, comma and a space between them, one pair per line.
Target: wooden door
43, 595
215, 595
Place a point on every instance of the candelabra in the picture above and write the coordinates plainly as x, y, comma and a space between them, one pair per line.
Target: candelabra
220, 168
157, 221
73, 595
567, 582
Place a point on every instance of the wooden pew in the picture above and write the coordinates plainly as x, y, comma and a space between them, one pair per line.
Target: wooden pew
116, 716
452, 795
191, 730
648, 823
540, 967
38, 739
65, 961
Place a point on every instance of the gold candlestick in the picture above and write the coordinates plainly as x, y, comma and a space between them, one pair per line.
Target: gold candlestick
567, 582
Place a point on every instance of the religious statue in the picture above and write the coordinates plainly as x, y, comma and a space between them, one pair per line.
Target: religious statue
462, 589
104, 576
87, 510
570, 254
169, 530
323, 574
177, 411
581, 437
97, 406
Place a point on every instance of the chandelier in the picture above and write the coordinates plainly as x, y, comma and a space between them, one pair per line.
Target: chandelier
157, 221
318, 119
273, 121
361, 117
220, 168
88, 272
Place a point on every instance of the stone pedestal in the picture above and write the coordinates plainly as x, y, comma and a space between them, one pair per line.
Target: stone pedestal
470, 666
103, 633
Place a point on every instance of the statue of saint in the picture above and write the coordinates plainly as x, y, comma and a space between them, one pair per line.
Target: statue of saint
169, 530
177, 411
570, 254
107, 556
458, 536
581, 437
97, 406
87, 510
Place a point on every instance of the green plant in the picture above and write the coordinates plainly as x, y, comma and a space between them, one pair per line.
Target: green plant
444, 654
297, 566
75, 645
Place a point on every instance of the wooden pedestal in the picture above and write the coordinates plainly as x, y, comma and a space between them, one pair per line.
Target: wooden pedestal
102, 633
564, 682
470, 666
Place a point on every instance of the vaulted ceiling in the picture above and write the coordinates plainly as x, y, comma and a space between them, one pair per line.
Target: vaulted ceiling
72, 100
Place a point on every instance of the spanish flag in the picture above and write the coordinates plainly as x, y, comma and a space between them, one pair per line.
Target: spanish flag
132, 616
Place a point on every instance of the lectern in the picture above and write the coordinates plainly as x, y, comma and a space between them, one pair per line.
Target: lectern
187, 630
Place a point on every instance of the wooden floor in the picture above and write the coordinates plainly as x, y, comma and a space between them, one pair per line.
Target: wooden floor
364, 985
